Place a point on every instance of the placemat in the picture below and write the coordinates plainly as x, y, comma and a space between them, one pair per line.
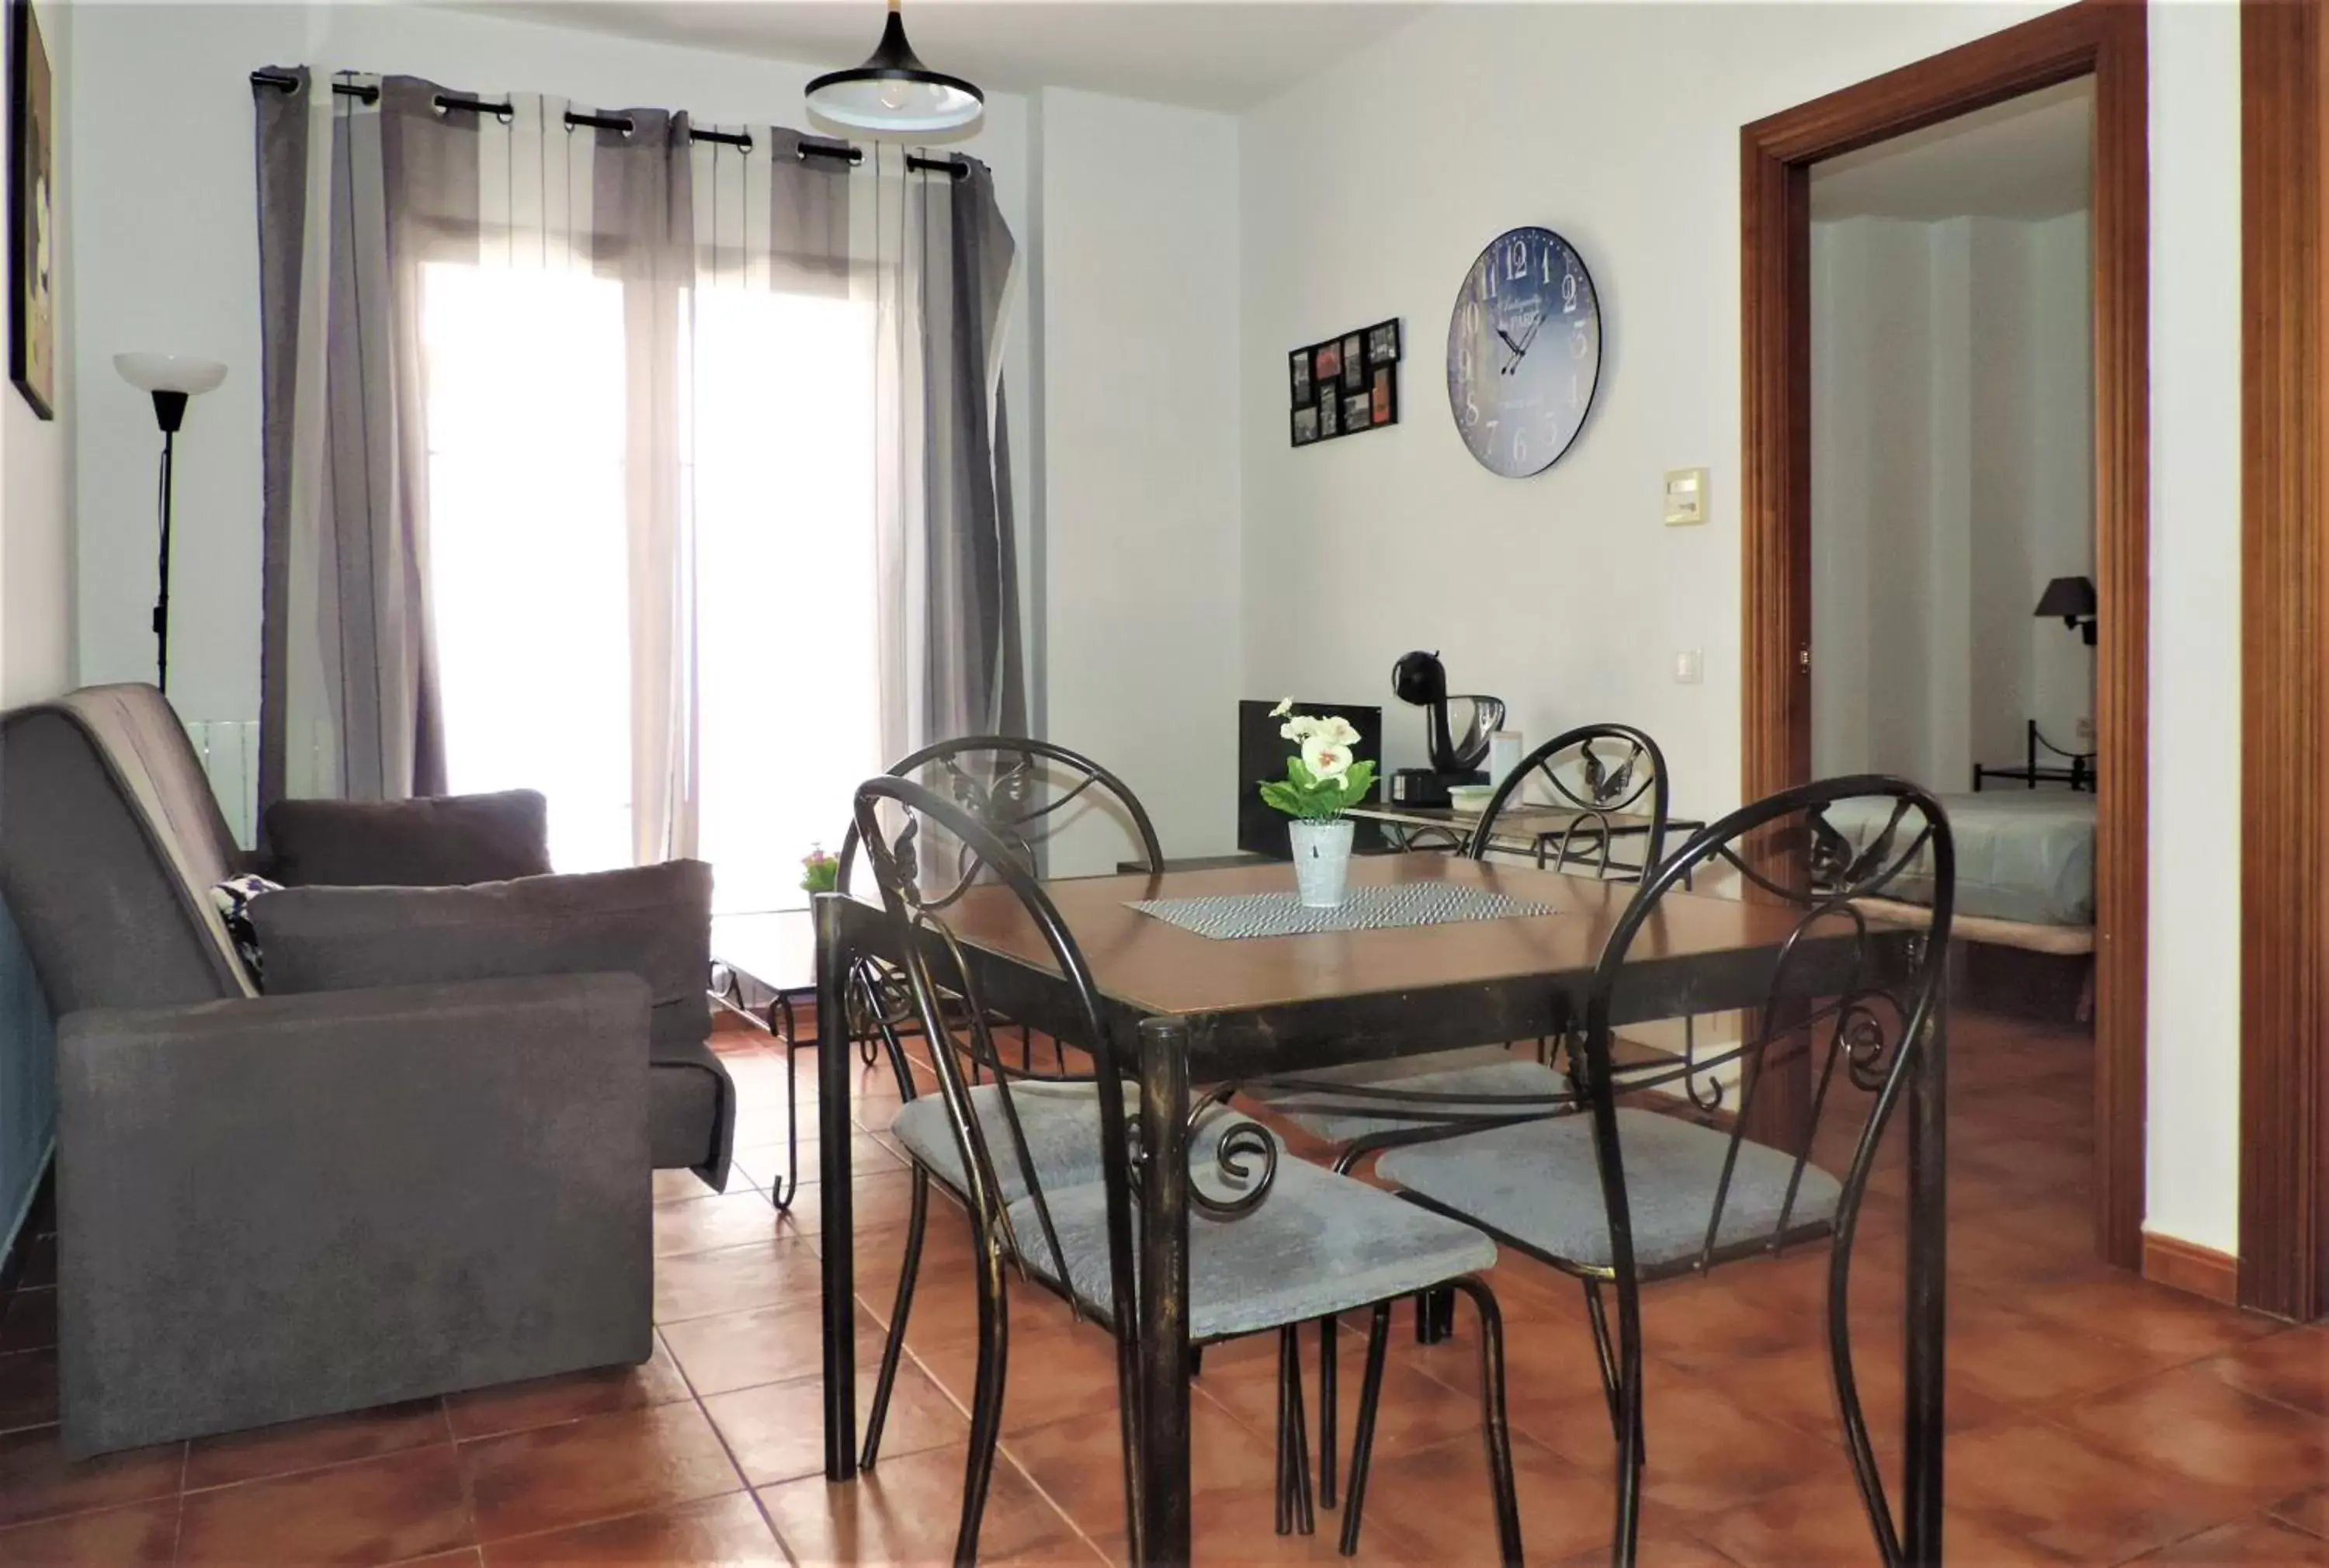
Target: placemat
1236, 915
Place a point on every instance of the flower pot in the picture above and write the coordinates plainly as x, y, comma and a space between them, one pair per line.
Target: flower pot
1322, 860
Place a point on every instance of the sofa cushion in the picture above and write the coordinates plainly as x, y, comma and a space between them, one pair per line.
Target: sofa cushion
110, 841
690, 1110
449, 840
651, 920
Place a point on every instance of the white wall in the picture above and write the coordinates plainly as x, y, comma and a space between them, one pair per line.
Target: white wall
1563, 592
1952, 477
2193, 1172
36, 651
1139, 349
164, 206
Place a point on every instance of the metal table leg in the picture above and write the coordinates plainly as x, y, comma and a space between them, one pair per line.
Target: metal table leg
1160, 1521
1927, 1295
836, 1246
784, 1023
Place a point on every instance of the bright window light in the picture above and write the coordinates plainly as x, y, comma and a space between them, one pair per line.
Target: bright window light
529, 562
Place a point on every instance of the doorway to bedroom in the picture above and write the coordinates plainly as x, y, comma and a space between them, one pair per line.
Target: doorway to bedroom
1944, 331
1953, 538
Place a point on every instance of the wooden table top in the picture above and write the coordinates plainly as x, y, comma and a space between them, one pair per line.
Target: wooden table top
1154, 967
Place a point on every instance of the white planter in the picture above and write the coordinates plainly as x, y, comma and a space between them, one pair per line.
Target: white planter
1322, 860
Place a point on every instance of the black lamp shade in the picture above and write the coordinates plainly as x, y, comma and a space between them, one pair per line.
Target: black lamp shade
2069, 597
893, 93
2073, 599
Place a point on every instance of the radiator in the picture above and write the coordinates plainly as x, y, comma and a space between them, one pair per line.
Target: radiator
228, 748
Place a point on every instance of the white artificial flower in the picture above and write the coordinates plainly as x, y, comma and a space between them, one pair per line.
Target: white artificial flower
1283, 708
1325, 760
1300, 727
1339, 731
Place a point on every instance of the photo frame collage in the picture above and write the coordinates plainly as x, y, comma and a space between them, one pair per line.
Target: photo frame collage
1344, 385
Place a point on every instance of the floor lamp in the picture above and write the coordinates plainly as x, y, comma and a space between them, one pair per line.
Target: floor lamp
172, 379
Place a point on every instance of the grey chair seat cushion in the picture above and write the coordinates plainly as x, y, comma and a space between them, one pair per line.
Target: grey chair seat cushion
1318, 1243
1537, 1183
1061, 1122
1478, 1070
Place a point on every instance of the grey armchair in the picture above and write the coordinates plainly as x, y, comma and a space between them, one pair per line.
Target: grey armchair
421, 1163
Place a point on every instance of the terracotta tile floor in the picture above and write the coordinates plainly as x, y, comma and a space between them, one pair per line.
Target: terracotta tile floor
2095, 1419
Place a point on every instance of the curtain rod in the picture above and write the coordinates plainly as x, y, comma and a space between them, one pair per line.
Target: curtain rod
958, 167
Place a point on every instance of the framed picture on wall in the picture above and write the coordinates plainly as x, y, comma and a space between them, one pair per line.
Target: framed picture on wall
1345, 384
32, 227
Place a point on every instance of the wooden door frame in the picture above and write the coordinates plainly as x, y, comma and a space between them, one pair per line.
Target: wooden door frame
2284, 1263
2106, 39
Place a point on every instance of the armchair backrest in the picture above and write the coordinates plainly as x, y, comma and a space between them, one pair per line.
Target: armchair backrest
110, 840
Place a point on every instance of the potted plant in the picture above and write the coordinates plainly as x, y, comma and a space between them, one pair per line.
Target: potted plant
820, 872
1322, 780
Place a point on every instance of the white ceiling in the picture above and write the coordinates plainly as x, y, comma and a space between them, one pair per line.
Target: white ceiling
1217, 55
2027, 158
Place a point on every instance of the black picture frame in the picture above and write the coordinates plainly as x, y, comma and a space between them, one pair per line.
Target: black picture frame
31, 197
1344, 384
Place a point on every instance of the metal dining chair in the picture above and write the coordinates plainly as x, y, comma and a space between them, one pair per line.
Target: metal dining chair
1019, 789
1600, 772
1274, 1242
1627, 1194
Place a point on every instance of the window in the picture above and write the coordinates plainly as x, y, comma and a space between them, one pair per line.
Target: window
529, 561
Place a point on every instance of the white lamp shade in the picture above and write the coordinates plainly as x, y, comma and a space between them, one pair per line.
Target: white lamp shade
893, 106
170, 372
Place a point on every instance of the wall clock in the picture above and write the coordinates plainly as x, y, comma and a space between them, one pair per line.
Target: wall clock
1523, 351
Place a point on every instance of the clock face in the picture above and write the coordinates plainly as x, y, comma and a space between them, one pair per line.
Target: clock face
1523, 351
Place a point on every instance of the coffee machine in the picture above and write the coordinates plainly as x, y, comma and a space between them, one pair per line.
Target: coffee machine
1421, 679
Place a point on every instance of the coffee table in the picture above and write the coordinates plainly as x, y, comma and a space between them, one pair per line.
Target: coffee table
764, 969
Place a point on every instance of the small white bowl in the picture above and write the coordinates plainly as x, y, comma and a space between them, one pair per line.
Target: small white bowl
1470, 799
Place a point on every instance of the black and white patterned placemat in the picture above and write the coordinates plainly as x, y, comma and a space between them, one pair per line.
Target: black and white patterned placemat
1234, 915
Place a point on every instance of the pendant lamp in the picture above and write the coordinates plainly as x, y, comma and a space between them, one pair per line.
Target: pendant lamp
894, 94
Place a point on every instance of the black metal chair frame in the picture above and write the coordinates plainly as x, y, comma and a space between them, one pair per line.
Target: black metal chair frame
1854, 1023
1608, 788
1246, 1157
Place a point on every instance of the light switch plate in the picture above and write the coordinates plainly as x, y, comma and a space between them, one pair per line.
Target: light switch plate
1685, 497
1690, 666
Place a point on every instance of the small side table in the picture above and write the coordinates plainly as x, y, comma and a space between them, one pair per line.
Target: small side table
764, 969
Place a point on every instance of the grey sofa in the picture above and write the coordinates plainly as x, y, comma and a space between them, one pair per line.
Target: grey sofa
290, 1204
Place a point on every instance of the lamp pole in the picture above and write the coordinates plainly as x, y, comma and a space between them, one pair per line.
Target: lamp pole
170, 411
171, 379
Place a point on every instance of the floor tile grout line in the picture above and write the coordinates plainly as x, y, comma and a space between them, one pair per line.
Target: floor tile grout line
461, 1475
178, 1499
695, 1397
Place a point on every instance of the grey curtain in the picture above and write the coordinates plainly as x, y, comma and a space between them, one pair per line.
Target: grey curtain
974, 678
353, 198
952, 655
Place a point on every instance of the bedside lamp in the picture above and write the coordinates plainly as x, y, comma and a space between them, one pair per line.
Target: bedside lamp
2073, 599
172, 379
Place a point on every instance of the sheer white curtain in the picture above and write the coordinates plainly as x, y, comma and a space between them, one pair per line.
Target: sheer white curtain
653, 481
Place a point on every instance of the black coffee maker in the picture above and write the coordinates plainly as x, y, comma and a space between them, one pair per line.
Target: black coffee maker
1421, 679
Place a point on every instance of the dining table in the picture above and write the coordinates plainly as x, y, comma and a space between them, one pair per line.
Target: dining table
1192, 1009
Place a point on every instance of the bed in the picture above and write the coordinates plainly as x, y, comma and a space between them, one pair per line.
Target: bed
2025, 867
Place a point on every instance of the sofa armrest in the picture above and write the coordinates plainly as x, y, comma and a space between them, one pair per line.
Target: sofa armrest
285, 1206
432, 841
651, 920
